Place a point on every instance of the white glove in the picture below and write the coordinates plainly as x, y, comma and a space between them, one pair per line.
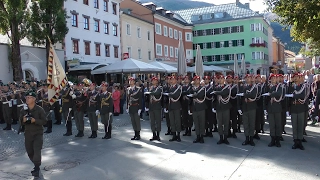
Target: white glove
316, 118
265, 112
97, 112
60, 103
165, 110
25, 107
189, 112
127, 111
51, 111
146, 109
110, 114
287, 113
139, 112
70, 109
213, 110
73, 96
71, 93
240, 112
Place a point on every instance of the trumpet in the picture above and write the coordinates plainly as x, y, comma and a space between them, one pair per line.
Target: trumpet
6, 94
39, 90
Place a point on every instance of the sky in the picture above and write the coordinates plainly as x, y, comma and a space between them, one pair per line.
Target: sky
256, 5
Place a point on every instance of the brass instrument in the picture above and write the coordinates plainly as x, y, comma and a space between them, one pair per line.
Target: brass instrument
87, 81
104, 101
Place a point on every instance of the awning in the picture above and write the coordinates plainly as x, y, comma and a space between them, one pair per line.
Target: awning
87, 67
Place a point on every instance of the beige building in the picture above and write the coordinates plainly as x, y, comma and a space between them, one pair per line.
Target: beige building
137, 37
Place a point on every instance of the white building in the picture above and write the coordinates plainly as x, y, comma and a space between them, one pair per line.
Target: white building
94, 31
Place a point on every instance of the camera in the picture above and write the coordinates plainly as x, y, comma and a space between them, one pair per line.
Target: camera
28, 117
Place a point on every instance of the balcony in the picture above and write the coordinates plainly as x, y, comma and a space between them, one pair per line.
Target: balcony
257, 45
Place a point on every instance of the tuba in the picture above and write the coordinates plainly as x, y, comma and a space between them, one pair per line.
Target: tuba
87, 81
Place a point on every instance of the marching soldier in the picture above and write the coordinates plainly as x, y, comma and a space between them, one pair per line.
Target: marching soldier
165, 103
93, 109
186, 118
7, 106
233, 101
66, 100
48, 109
80, 105
222, 108
198, 109
105, 110
247, 109
259, 110
174, 109
273, 110
134, 106
155, 108
297, 110
209, 114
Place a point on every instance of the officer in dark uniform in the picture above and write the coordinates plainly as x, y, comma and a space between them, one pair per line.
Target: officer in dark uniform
105, 110
66, 98
259, 110
165, 103
93, 109
186, 118
209, 113
80, 105
233, 100
34, 117
174, 109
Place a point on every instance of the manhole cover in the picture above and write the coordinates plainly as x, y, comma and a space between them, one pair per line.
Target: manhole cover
61, 166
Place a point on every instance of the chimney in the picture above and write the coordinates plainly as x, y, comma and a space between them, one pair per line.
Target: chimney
237, 2
247, 5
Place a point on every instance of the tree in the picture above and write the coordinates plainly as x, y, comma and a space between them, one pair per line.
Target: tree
47, 19
13, 24
312, 49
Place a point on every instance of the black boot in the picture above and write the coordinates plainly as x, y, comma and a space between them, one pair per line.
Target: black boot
278, 141
197, 139
189, 132
92, 135
154, 137
186, 132
57, 122
158, 136
281, 138
251, 141
174, 137
49, 126
201, 139
138, 135
106, 130
14, 121
272, 143
304, 140
246, 142
229, 134
8, 127
221, 140
80, 134
295, 145
135, 135
49, 130
256, 136
234, 133
168, 132
36, 171
262, 130
300, 144
210, 133
225, 140
69, 129
178, 137
109, 131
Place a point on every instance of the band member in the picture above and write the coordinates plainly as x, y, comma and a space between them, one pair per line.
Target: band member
273, 110
66, 100
134, 106
222, 108
297, 110
186, 118
79, 108
259, 101
198, 109
7, 106
247, 109
165, 103
21, 101
174, 109
47, 107
155, 108
209, 114
106, 110
93, 109
233, 101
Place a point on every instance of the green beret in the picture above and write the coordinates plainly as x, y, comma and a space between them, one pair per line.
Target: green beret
31, 93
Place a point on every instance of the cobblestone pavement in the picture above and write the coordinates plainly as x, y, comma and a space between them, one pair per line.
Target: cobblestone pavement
12, 144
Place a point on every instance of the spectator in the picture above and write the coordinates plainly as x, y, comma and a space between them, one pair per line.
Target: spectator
116, 100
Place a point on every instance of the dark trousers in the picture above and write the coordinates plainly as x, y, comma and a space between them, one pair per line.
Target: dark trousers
167, 119
233, 117
33, 145
67, 118
175, 120
223, 118
155, 120
7, 113
275, 124
259, 118
15, 116
49, 120
186, 118
57, 113
210, 119
283, 119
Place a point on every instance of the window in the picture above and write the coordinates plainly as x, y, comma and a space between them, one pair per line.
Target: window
189, 37
116, 53
98, 49
75, 46
159, 49
176, 52
139, 32
175, 34
107, 50
222, 58
189, 53
114, 8
171, 51
158, 28
139, 54
252, 27
240, 42
170, 33
115, 29
105, 5
128, 29
87, 48
180, 35
86, 23
206, 16
74, 20
149, 38
106, 28
96, 26
129, 51
165, 30
258, 55
86, 2
149, 55
257, 26
96, 4
204, 59
218, 15
166, 53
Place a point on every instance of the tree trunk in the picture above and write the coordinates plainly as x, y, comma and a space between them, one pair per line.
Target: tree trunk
16, 58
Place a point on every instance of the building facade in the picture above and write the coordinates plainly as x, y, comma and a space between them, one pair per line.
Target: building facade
229, 30
94, 31
278, 52
137, 31
168, 29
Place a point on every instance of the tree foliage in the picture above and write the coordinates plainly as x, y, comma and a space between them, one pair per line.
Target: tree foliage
13, 24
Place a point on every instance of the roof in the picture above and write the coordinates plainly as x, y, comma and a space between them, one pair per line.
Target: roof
86, 67
231, 11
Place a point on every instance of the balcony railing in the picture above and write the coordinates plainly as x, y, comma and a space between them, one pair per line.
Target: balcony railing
257, 45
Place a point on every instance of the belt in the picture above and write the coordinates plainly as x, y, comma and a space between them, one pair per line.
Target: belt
296, 102
135, 104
